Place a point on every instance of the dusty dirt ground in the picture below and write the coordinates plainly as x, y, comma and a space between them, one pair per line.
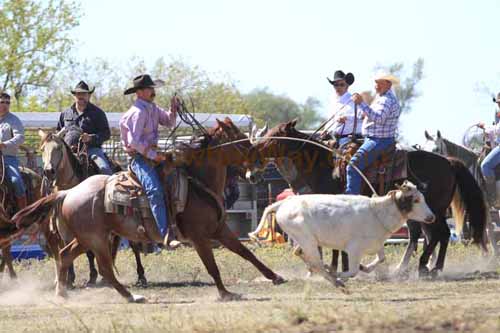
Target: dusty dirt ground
181, 297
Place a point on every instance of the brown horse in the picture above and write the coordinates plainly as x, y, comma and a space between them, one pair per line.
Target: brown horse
8, 207
81, 214
63, 169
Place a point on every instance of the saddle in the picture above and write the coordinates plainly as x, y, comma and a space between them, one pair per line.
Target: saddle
124, 194
389, 167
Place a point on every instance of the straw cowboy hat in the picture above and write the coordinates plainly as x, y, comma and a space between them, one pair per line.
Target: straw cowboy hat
381, 75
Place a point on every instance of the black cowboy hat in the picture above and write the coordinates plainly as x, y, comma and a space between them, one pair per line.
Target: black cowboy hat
82, 87
496, 100
339, 75
143, 81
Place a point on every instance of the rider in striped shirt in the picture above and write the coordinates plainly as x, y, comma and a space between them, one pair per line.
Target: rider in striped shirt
379, 128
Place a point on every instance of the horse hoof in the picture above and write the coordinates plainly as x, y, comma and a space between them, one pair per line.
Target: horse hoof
278, 280
141, 283
402, 274
137, 299
340, 284
423, 273
227, 297
434, 274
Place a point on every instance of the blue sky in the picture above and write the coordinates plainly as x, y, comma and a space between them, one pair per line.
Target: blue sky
291, 46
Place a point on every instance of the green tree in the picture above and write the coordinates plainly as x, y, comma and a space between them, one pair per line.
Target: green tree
34, 42
407, 91
265, 106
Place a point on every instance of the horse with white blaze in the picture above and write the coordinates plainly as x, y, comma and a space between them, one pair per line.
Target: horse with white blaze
356, 224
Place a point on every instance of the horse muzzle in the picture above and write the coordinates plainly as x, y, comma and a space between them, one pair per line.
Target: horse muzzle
430, 219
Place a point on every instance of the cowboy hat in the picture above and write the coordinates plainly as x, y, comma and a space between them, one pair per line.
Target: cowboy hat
82, 87
381, 75
339, 75
143, 81
496, 100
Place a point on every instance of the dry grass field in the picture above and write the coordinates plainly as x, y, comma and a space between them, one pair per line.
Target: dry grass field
182, 298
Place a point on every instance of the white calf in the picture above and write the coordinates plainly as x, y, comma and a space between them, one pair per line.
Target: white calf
356, 224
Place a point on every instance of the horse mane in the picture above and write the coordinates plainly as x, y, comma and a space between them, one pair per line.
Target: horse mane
460, 152
73, 160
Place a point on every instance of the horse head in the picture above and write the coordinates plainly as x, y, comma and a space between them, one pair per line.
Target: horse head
435, 144
56, 156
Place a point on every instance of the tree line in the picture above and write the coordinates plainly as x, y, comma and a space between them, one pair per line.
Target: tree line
37, 64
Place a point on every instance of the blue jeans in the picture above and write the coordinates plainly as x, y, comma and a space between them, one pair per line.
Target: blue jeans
369, 151
490, 162
97, 155
150, 180
14, 176
344, 141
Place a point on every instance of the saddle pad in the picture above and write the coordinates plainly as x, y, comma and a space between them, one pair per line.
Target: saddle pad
393, 168
122, 191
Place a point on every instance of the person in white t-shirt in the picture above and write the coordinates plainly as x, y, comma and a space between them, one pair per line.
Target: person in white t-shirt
344, 123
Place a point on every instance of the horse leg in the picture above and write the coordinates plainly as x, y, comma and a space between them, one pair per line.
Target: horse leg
444, 239
229, 240
92, 270
423, 271
67, 255
345, 262
204, 250
105, 264
70, 282
141, 277
335, 261
7, 260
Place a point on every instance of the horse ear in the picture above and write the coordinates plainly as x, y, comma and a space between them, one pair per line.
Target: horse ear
294, 122
260, 133
439, 134
252, 134
428, 136
61, 133
43, 135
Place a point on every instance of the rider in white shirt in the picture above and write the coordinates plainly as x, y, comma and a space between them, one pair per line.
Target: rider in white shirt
344, 120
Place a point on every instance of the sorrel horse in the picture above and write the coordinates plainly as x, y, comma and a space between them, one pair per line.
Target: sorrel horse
64, 170
443, 181
81, 211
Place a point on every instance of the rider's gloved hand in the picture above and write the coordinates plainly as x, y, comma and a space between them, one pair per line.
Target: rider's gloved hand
480, 125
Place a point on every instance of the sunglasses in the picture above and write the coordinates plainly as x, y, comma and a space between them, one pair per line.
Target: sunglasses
342, 85
5, 102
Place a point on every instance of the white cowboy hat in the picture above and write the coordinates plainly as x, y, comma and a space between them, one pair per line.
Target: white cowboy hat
386, 76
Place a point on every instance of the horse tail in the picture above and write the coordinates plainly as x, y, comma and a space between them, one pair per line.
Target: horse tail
38, 212
469, 200
273, 208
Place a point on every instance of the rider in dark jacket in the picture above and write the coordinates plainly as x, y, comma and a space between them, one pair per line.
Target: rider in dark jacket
91, 121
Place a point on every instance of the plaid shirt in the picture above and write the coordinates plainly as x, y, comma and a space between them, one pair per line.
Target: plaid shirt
382, 116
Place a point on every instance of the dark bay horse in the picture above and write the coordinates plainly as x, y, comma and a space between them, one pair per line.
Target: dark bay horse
443, 181
8, 207
81, 211
64, 170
